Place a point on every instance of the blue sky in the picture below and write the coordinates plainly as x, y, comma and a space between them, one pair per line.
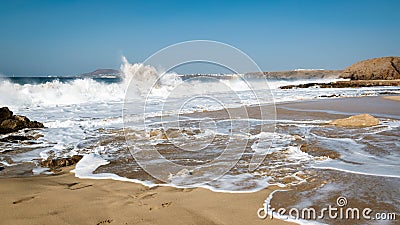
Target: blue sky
72, 37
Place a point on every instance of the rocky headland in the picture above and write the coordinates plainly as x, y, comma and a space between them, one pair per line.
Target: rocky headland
383, 71
386, 68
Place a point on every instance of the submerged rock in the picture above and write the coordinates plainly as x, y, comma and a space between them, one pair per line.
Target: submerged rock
318, 151
171, 133
362, 120
10, 123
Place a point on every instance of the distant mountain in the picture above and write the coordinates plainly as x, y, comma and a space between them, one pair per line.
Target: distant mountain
299, 74
102, 73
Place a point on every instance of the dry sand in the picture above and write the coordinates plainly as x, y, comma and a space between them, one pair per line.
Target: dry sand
64, 199
395, 98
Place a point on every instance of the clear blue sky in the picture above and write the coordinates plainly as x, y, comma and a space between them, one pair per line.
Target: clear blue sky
71, 37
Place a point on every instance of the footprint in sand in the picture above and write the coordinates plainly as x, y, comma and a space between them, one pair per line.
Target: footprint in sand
78, 186
143, 196
107, 221
166, 204
187, 189
24, 200
163, 205
75, 185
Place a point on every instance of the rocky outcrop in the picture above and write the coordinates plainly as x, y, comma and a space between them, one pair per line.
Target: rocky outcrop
58, 163
362, 120
386, 68
10, 123
5, 113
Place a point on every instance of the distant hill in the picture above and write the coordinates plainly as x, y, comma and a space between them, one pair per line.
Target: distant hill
102, 73
299, 74
293, 74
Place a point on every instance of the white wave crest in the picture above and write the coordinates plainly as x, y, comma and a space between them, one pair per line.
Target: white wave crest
85, 90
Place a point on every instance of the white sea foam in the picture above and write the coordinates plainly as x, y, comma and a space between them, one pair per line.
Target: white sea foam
274, 214
227, 183
57, 93
262, 143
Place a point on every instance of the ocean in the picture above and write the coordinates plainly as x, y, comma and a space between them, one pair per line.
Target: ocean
203, 131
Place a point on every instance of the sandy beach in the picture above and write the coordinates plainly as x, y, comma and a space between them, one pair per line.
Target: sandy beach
65, 199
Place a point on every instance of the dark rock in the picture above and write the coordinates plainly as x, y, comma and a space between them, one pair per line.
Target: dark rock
329, 96
1, 168
57, 163
385, 68
5, 113
23, 169
15, 138
11, 123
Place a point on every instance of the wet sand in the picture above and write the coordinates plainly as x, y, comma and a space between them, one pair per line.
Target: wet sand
342, 107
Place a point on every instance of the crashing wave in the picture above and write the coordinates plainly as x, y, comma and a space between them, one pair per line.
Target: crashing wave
84, 90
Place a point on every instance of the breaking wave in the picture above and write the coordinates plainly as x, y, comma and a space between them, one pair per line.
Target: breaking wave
83, 90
